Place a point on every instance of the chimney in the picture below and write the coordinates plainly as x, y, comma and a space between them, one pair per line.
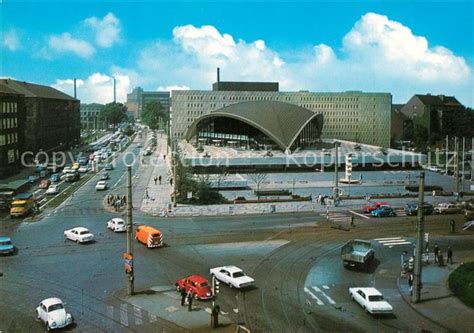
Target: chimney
218, 74
115, 91
75, 89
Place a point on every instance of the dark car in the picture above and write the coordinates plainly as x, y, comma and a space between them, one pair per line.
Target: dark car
55, 177
383, 211
104, 176
109, 166
412, 208
72, 176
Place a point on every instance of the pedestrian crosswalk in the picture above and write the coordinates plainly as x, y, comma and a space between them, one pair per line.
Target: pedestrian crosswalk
336, 216
392, 241
129, 315
319, 295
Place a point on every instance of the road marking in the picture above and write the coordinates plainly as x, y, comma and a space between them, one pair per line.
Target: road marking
123, 315
138, 315
38, 190
236, 310
381, 239
153, 318
326, 287
359, 214
208, 310
110, 311
324, 294
313, 296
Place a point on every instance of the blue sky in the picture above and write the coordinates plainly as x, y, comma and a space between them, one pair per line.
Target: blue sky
398, 47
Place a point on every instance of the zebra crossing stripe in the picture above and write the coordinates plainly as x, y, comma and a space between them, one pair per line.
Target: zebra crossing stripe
153, 318
324, 294
110, 311
326, 287
123, 314
313, 296
138, 315
387, 238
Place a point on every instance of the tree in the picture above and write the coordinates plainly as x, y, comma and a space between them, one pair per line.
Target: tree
154, 115
258, 179
113, 113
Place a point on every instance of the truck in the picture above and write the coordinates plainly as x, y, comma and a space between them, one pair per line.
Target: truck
149, 236
9, 190
22, 204
357, 253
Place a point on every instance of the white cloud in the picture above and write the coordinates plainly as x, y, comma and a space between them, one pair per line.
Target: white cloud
172, 87
11, 40
377, 55
97, 88
107, 30
65, 43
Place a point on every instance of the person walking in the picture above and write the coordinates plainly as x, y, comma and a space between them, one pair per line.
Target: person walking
159, 179
352, 220
155, 179
183, 296
171, 181
190, 301
436, 251
453, 226
450, 255
410, 283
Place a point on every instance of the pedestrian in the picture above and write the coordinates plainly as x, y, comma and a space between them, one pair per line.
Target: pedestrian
183, 296
171, 181
352, 221
323, 200
436, 251
450, 255
164, 157
190, 301
410, 283
37, 207
155, 179
146, 194
453, 226
159, 179
124, 199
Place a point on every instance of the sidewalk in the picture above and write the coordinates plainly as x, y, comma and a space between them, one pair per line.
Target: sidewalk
437, 301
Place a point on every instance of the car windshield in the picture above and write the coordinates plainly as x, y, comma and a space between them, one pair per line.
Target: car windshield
2, 243
119, 222
203, 284
84, 232
18, 205
375, 298
55, 307
238, 274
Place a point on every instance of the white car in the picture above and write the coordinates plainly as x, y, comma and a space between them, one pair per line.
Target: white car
232, 276
53, 189
371, 300
79, 235
83, 169
101, 185
116, 225
52, 313
67, 170
447, 208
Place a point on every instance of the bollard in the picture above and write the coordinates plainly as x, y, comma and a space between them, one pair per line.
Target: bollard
215, 316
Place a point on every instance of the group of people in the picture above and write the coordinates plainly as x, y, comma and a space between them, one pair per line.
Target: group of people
116, 201
187, 298
438, 256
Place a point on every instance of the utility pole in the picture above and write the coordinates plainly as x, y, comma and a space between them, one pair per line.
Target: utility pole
462, 163
447, 156
419, 241
456, 167
174, 161
336, 176
129, 255
472, 159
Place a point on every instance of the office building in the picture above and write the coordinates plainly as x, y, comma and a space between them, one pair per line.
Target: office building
90, 117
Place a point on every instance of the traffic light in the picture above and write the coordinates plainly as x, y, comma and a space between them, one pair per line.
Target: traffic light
216, 287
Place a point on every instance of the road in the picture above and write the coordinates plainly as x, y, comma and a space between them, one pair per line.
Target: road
293, 258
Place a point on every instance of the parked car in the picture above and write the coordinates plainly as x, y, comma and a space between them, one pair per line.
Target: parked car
447, 208
371, 300
79, 235
383, 211
411, 208
104, 176
52, 313
197, 285
53, 189
232, 276
6, 245
371, 206
101, 185
109, 166
116, 225
44, 183
55, 177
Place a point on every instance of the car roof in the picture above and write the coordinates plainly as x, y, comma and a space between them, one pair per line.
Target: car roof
4, 238
232, 269
369, 291
101, 182
51, 301
148, 229
118, 219
80, 229
197, 278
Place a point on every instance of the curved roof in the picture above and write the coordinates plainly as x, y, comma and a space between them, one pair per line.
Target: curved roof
282, 122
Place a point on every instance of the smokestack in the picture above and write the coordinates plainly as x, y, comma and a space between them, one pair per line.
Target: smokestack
75, 89
115, 91
218, 74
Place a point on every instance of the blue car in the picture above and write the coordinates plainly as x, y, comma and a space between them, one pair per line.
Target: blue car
6, 246
55, 177
383, 211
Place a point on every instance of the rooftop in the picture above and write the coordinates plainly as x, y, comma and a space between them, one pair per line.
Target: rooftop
34, 90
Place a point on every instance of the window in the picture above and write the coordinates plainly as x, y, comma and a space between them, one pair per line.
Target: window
11, 156
2, 140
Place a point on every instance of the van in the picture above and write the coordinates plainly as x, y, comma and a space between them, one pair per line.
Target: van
22, 204
149, 236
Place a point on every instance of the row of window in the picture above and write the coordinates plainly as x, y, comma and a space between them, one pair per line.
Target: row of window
12, 155
7, 123
9, 107
6, 139
277, 98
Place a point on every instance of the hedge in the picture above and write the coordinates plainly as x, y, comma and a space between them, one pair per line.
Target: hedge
461, 282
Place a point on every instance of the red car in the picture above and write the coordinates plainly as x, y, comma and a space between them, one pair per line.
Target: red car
369, 207
45, 183
197, 284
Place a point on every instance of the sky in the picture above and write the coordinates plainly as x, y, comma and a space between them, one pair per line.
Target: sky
400, 47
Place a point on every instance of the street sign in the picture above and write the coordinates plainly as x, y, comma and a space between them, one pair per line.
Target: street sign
128, 262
